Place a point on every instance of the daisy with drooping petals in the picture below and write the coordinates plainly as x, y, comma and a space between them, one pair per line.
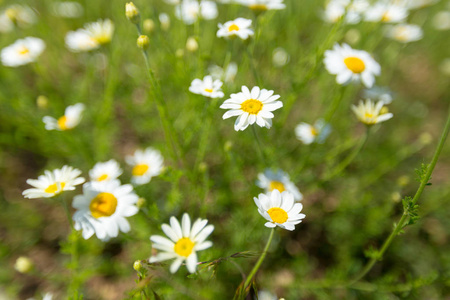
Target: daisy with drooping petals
53, 183
182, 243
22, 52
146, 164
72, 117
262, 5
207, 87
279, 209
252, 107
105, 171
239, 27
405, 33
103, 208
371, 113
278, 180
308, 134
351, 65
386, 12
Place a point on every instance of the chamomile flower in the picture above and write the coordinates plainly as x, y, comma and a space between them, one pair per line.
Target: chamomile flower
386, 12
308, 134
146, 164
378, 93
350, 10
279, 209
278, 180
252, 107
405, 33
371, 113
70, 119
16, 15
190, 10
239, 27
53, 183
22, 52
351, 65
263, 5
92, 36
103, 207
105, 171
207, 87
182, 243
101, 31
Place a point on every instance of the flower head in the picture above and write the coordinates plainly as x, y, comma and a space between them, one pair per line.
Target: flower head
312, 133
278, 180
182, 243
263, 5
54, 182
386, 12
371, 113
146, 164
350, 10
70, 119
378, 93
190, 10
252, 107
226, 75
16, 15
405, 33
239, 27
279, 209
207, 87
91, 37
22, 52
105, 171
101, 31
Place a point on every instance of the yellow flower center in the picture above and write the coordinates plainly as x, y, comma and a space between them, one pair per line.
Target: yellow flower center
233, 27
184, 247
401, 34
62, 123
276, 185
252, 106
103, 177
384, 110
208, 90
314, 132
103, 205
53, 188
278, 215
260, 7
140, 169
368, 115
24, 51
386, 17
356, 65
12, 14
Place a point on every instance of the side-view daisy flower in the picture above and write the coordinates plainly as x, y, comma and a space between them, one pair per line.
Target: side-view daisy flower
207, 87
239, 27
53, 182
371, 113
263, 5
351, 65
405, 33
103, 207
105, 171
278, 180
252, 107
182, 243
92, 36
308, 134
70, 119
22, 52
146, 164
279, 209
386, 12
101, 31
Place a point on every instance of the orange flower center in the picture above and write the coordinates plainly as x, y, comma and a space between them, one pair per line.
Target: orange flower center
140, 169
355, 64
278, 215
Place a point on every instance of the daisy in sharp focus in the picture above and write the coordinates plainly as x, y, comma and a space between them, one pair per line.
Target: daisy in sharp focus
53, 182
22, 52
105, 171
103, 207
252, 107
263, 5
70, 119
405, 33
182, 243
308, 134
279, 209
207, 87
239, 27
371, 113
278, 180
146, 164
351, 65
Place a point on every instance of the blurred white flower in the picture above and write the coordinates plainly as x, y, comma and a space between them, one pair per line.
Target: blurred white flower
336, 9
92, 36
23, 265
308, 134
371, 113
278, 180
263, 5
16, 15
445, 66
280, 57
416, 4
239, 27
227, 76
441, 21
22, 52
146, 164
70, 119
378, 93
405, 33
207, 87
67, 9
105, 171
266, 295
101, 31
386, 12
190, 10
164, 20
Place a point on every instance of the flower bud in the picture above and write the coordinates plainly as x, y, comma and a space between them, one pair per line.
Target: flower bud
24, 265
191, 44
140, 202
137, 266
132, 13
143, 42
148, 25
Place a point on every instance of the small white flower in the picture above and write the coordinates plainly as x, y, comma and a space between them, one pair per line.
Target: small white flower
405, 33
378, 93
279, 209
228, 75
80, 41
207, 87
183, 242
146, 164
308, 134
352, 10
22, 52
441, 21
252, 107
70, 119
190, 10
278, 180
351, 65
16, 14
280, 57
101, 31
105, 171
386, 12
239, 27
263, 5
371, 113
103, 207
53, 183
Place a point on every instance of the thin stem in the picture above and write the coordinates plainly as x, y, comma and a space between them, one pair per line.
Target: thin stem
260, 148
335, 104
67, 211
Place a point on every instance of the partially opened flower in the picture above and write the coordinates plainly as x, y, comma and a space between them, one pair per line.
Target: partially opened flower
53, 182
239, 27
22, 52
279, 209
190, 10
252, 107
105, 171
278, 180
103, 207
70, 119
263, 5
182, 243
146, 164
405, 33
371, 113
386, 12
308, 134
207, 87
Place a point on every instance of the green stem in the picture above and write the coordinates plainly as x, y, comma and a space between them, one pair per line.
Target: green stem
67, 211
335, 104
259, 145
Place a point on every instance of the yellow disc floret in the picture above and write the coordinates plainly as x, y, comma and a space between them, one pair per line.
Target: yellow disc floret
53, 188
278, 215
252, 106
102, 177
62, 123
209, 90
103, 205
140, 169
355, 64
276, 185
233, 27
184, 247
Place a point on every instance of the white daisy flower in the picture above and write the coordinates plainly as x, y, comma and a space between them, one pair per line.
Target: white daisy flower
278, 180
146, 164
101, 31
22, 52
239, 27
182, 243
80, 41
72, 117
352, 10
308, 134
207, 87
16, 15
105, 171
263, 5
227, 76
415, 4
405, 33
190, 10
103, 208
279, 209
53, 182
251, 107
378, 93
386, 12
351, 65
371, 113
